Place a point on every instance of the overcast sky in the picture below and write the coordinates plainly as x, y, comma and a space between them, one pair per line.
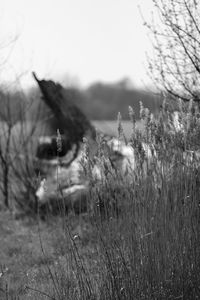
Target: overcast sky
74, 40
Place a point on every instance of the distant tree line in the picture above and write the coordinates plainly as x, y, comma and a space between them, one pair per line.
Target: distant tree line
100, 101
104, 101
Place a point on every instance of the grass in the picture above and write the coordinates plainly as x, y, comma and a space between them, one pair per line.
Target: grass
140, 238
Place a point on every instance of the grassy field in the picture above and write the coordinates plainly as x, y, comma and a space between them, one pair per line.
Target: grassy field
30, 249
111, 128
139, 239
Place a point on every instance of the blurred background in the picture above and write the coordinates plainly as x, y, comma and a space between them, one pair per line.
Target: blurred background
95, 49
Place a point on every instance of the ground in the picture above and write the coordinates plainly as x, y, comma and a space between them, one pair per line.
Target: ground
28, 249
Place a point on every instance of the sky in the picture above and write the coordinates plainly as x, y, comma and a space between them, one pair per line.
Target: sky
74, 41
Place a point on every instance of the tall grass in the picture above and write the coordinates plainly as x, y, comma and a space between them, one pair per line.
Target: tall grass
143, 240
147, 224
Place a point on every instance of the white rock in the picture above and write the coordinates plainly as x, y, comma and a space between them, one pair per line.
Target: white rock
41, 190
178, 126
45, 140
72, 189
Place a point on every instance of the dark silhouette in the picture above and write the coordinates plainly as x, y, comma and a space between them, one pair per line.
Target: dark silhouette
48, 149
68, 118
